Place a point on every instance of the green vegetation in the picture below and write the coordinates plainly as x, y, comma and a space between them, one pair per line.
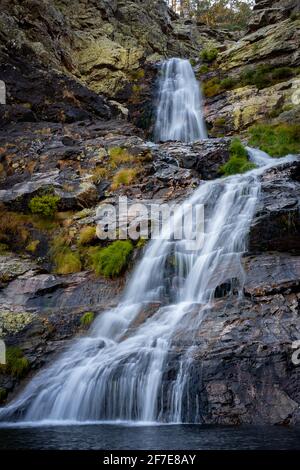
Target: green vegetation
87, 235
32, 246
238, 161
261, 77
112, 260
141, 243
66, 261
119, 156
12, 229
265, 75
228, 83
45, 205
277, 140
123, 177
87, 318
17, 364
4, 248
220, 123
204, 68
209, 55
212, 87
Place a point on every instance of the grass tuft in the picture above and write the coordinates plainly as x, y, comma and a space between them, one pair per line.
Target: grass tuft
87, 318
238, 161
112, 260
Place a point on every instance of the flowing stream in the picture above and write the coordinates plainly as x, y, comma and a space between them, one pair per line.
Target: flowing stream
119, 371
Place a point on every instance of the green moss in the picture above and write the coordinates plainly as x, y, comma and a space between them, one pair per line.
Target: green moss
277, 140
112, 260
87, 318
32, 246
238, 161
45, 205
17, 364
209, 55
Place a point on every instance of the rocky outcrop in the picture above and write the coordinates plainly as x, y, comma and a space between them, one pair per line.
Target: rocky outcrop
274, 46
276, 226
268, 12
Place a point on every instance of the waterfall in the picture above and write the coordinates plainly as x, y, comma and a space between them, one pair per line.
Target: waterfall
180, 110
136, 361
120, 370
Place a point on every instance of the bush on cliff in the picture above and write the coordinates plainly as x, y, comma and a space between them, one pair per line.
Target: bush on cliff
45, 205
238, 161
209, 55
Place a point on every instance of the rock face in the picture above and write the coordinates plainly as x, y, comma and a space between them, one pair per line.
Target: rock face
80, 84
273, 43
268, 12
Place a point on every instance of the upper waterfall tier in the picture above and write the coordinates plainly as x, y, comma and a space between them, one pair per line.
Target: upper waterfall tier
180, 110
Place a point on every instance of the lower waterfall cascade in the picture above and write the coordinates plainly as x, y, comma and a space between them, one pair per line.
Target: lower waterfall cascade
118, 373
123, 370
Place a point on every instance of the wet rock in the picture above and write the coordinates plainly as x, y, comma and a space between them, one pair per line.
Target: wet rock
276, 225
204, 157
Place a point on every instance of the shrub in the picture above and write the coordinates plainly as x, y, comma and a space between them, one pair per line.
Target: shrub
16, 363
123, 177
87, 318
87, 235
265, 75
204, 68
277, 140
209, 55
112, 260
238, 161
283, 72
45, 205
212, 87
66, 261
228, 83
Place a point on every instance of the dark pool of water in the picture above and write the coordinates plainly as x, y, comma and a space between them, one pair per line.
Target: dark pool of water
126, 437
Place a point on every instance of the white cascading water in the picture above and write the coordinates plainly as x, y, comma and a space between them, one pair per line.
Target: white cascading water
179, 113
134, 364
